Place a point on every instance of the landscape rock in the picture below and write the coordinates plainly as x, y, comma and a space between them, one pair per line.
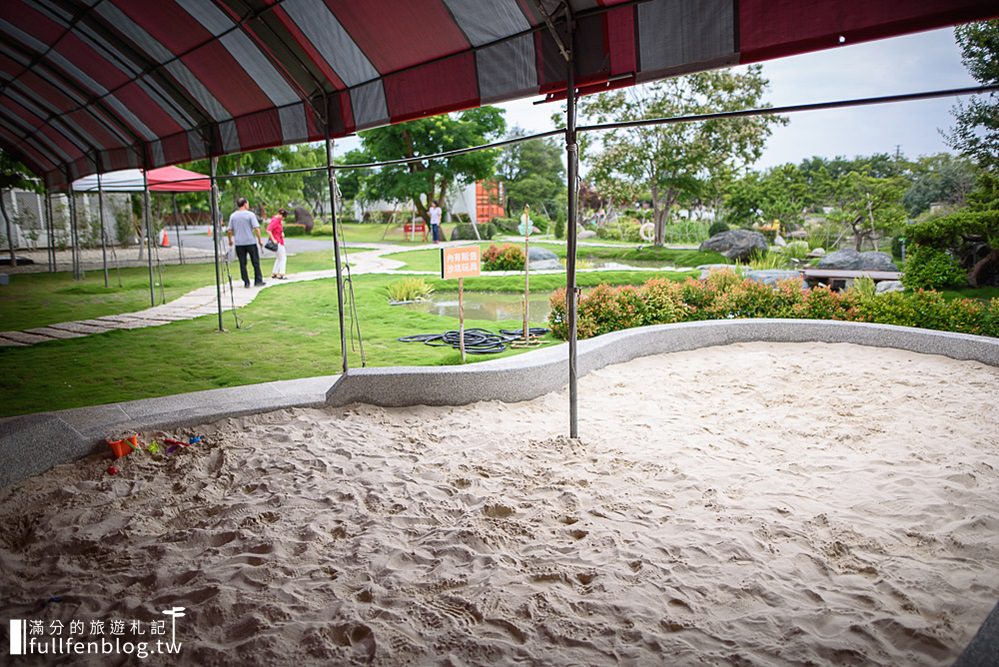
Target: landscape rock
851, 260
886, 286
738, 244
773, 276
586, 234
542, 259
303, 217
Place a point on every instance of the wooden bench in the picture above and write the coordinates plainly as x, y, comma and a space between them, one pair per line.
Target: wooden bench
833, 276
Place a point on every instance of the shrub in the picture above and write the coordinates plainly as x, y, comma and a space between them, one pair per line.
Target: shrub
503, 258
931, 268
560, 228
622, 229
821, 303
409, 289
664, 302
321, 230
864, 287
604, 309
717, 227
466, 232
764, 261
293, 229
950, 231
557, 316
724, 295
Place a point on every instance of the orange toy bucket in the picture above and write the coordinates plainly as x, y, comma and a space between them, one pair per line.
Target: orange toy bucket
124, 446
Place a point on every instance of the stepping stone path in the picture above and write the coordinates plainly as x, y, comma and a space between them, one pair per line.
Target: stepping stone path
202, 301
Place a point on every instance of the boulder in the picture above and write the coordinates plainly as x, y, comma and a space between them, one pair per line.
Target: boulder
773, 276
737, 244
886, 286
817, 252
851, 260
586, 234
542, 259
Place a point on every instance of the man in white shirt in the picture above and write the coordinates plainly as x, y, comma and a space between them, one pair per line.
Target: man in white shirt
243, 226
435, 221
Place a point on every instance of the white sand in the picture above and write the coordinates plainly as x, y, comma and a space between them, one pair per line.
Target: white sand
755, 504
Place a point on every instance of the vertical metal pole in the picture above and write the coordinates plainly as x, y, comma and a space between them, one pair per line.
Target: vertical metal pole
50, 226
176, 228
572, 159
104, 240
74, 237
336, 242
216, 231
10, 227
149, 237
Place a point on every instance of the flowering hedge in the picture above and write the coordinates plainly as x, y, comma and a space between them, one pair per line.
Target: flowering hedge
503, 258
724, 295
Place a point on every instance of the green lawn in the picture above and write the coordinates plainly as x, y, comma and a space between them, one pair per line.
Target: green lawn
429, 260
379, 233
38, 299
289, 331
981, 293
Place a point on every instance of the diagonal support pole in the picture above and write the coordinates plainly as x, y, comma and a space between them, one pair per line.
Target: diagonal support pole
213, 167
331, 174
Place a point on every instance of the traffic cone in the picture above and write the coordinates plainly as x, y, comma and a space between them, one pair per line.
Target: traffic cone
165, 241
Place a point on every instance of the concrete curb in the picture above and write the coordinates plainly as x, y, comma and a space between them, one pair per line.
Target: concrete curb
537, 373
34, 443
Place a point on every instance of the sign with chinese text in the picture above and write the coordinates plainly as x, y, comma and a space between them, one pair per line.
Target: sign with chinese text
460, 262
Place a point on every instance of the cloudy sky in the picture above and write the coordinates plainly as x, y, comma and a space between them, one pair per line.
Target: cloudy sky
914, 63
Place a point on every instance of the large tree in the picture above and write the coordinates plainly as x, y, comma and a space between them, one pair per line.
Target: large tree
680, 162
780, 193
267, 191
533, 173
976, 133
431, 180
869, 206
940, 178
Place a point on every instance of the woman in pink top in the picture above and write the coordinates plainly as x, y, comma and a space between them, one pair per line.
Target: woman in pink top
275, 230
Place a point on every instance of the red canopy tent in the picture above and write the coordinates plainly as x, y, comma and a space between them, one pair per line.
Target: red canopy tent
87, 87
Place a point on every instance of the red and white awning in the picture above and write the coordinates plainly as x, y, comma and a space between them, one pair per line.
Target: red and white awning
120, 84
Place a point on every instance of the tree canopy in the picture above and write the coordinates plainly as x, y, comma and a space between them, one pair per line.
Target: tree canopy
533, 173
679, 162
976, 133
431, 180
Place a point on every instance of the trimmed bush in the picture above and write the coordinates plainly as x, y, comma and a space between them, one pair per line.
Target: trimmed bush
622, 229
725, 295
322, 230
717, 227
503, 258
465, 231
293, 229
927, 267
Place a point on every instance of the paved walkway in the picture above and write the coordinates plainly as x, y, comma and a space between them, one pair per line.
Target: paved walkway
204, 300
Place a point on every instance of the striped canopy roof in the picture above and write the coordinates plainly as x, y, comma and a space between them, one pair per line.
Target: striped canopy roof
102, 85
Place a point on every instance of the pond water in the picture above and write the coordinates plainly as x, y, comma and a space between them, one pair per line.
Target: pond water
484, 306
620, 265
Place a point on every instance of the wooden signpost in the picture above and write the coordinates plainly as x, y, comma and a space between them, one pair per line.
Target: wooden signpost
461, 262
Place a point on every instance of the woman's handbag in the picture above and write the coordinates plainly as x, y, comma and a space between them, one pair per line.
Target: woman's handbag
270, 245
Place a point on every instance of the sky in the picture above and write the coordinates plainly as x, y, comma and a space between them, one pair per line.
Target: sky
913, 63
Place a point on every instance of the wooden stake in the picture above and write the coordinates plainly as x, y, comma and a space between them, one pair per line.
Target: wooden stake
461, 317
